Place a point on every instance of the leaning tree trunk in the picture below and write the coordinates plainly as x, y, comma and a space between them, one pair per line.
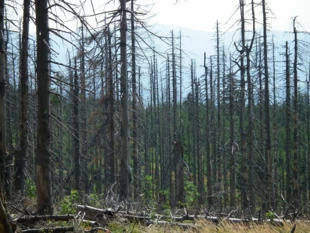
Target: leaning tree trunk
4, 221
43, 155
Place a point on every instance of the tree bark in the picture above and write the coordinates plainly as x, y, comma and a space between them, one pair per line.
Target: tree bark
295, 191
207, 136
135, 154
125, 169
21, 156
268, 154
3, 145
76, 127
5, 226
43, 156
243, 166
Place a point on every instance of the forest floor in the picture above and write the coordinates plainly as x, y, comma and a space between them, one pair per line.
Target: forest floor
207, 227
201, 227
88, 219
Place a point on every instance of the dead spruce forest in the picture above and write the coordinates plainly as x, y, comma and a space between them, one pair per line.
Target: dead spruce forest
117, 120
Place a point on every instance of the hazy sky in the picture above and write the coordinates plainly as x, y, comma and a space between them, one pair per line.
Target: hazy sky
202, 14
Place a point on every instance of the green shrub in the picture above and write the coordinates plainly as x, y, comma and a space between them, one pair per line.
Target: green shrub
191, 193
270, 215
93, 200
30, 188
67, 203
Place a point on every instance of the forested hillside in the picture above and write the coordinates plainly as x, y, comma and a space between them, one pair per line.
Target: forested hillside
120, 114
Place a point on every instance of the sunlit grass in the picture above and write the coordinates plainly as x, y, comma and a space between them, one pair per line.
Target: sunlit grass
206, 227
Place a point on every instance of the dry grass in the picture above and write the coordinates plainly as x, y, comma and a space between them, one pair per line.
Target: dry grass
205, 227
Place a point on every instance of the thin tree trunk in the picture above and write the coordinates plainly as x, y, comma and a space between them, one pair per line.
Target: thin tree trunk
208, 156
224, 118
308, 134
243, 166
135, 152
76, 128
83, 131
232, 148
199, 154
60, 149
219, 147
268, 154
125, 169
111, 130
295, 191
250, 136
21, 159
3, 145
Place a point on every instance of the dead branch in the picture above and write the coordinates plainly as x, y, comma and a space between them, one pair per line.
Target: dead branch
51, 230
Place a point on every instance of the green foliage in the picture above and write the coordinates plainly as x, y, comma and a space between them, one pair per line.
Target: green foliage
30, 188
191, 193
270, 215
68, 202
148, 183
94, 200
164, 194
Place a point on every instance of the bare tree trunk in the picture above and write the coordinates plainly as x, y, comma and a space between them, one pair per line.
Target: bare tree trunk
125, 169
275, 130
76, 128
43, 156
21, 156
219, 148
83, 111
5, 226
9, 119
295, 191
199, 154
3, 146
212, 131
232, 193
224, 118
268, 154
60, 146
135, 154
308, 134
208, 156
250, 136
243, 166
192, 110
111, 130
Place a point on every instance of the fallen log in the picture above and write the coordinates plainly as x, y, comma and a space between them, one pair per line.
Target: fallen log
111, 213
36, 218
184, 226
96, 229
135, 218
93, 212
50, 230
